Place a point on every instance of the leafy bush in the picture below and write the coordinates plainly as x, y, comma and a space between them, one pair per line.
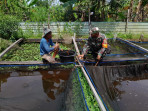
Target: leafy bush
9, 27
4, 44
39, 14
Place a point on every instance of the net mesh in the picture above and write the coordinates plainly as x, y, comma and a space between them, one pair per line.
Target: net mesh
112, 84
71, 96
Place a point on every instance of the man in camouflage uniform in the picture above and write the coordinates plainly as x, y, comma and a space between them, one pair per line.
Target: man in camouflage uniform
96, 44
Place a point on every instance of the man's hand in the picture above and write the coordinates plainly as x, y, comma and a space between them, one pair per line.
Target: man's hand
56, 46
81, 56
61, 49
98, 57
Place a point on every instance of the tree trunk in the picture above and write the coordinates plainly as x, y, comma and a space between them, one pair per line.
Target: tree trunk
131, 10
98, 16
83, 16
143, 17
103, 12
137, 11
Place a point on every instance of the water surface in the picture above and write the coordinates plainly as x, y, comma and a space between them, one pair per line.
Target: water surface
33, 91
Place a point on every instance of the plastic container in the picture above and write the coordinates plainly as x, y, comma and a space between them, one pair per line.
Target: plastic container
67, 55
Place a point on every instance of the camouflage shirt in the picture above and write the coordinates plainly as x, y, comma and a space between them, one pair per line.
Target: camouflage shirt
94, 45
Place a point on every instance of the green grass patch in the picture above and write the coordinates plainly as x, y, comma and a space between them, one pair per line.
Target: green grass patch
129, 36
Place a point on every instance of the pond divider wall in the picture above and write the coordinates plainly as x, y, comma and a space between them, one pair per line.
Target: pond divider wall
133, 45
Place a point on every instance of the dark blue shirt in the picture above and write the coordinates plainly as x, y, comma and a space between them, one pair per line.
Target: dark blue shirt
46, 47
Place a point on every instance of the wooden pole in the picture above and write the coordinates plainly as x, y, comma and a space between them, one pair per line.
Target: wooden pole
49, 19
89, 23
127, 21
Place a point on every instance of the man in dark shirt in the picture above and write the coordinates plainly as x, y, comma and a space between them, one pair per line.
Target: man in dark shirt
96, 44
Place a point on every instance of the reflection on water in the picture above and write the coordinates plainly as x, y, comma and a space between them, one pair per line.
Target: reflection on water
54, 82
131, 93
33, 91
123, 88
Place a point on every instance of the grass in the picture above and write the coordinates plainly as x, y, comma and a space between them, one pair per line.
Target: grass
68, 35
128, 36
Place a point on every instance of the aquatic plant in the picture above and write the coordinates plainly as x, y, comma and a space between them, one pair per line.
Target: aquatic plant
27, 52
90, 99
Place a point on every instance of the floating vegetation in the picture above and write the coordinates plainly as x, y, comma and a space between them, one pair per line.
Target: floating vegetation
90, 99
27, 52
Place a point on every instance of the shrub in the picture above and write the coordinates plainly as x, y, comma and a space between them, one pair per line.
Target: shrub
4, 44
9, 27
125, 35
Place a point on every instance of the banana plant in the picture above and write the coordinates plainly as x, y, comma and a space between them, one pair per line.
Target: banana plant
27, 3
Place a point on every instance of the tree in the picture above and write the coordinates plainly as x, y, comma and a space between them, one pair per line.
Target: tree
19, 8
27, 5
42, 3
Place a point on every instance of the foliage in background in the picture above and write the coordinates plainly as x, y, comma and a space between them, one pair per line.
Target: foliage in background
19, 8
9, 27
57, 13
39, 14
47, 11
72, 10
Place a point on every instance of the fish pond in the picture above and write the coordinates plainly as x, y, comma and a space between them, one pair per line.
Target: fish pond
43, 89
